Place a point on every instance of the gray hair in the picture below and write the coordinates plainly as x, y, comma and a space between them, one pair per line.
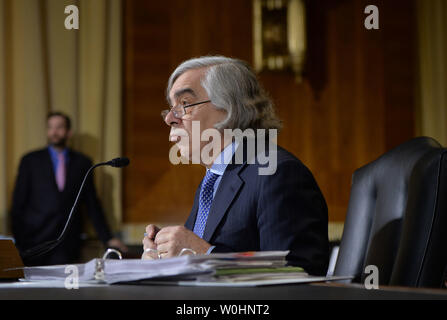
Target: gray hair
232, 86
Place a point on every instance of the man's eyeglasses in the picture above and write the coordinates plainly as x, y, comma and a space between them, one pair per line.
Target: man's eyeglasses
180, 110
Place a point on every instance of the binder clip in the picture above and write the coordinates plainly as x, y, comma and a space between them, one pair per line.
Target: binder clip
99, 264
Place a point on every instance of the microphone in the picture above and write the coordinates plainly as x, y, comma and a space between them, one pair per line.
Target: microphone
43, 248
118, 162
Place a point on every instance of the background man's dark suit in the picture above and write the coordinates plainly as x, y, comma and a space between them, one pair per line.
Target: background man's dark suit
283, 211
40, 210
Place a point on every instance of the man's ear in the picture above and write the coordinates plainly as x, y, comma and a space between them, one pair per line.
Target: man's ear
69, 134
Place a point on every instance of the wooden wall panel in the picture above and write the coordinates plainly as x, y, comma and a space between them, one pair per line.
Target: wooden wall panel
159, 36
355, 102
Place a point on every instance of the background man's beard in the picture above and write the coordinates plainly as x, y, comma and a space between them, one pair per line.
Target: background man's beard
58, 143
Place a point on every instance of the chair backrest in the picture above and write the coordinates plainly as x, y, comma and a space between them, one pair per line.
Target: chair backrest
397, 217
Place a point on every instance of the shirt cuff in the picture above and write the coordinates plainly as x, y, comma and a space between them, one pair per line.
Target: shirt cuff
210, 249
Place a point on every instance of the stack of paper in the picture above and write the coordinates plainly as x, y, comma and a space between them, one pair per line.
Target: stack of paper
114, 271
244, 268
235, 269
251, 259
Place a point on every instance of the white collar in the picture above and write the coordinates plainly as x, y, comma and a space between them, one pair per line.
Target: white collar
224, 158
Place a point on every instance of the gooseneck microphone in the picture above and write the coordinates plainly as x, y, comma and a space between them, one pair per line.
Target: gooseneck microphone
43, 248
117, 162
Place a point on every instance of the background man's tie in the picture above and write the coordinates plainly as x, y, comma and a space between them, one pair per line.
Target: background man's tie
60, 171
205, 201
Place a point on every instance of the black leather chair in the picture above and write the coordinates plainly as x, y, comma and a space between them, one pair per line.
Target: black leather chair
397, 217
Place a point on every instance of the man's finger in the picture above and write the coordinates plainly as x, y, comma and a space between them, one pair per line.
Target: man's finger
165, 248
149, 244
162, 237
151, 231
166, 255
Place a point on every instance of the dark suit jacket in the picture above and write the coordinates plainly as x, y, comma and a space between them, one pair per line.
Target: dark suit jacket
40, 211
283, 211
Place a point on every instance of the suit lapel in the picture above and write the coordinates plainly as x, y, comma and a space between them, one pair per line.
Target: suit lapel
189, 224
229, 187
48, 167
70, 172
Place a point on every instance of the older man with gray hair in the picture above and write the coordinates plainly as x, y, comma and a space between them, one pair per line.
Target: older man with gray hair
217, 101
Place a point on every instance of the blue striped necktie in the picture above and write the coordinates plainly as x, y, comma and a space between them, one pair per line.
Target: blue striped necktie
205, 201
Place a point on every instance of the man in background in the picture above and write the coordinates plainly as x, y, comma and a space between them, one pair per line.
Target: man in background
46, 187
